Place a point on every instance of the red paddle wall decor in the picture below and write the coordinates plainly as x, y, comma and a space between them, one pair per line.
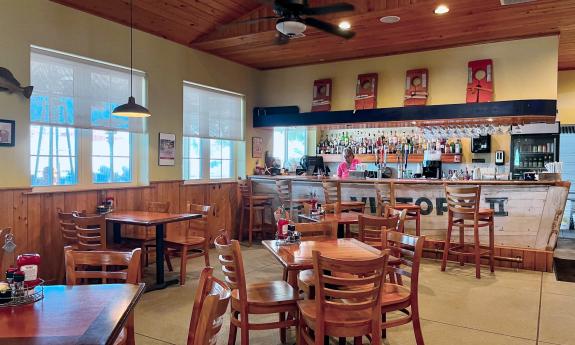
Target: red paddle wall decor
366, 91
416, 87
322, 90
480, 81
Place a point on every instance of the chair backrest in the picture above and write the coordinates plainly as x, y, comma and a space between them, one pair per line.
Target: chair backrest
106, 266
245, 187
91, 231
200, 226
463, 201
401, 215
317, 231
334, 208
210, 305
347, 286
284, 190
371, 227
68, 227
384, 196
331, 191
408, 249
230, 257
158, 206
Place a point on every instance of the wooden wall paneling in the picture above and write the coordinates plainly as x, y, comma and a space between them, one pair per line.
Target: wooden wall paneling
218, 199
194, 193
170, 191
7, 221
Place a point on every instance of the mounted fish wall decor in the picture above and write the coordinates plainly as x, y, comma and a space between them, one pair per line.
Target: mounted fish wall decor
9, 84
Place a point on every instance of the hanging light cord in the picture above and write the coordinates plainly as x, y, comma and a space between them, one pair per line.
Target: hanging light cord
131, 46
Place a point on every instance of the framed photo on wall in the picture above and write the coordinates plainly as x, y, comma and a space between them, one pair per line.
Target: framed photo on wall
167, 149
257, 147
7, 132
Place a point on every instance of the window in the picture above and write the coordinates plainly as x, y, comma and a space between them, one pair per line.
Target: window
74, 138
289, 145
213, 132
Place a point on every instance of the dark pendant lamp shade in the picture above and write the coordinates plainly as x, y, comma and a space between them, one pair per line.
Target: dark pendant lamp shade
131, 109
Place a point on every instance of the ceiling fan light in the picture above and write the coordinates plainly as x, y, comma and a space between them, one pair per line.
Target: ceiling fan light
290, 27
131, 109
344, 25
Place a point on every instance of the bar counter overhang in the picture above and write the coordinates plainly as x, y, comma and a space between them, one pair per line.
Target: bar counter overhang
524, 210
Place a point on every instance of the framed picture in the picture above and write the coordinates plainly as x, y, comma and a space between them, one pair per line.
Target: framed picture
257, 147
7, 132
167, 149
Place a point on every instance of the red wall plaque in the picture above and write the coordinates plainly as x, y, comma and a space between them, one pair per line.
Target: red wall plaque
366, 91
416, 87
322, 91
480, 81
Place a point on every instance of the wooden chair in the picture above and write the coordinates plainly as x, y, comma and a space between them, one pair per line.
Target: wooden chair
78, 262
194, 243
210, 305
332, 194
348, 301
284, 190
402, 215
399, 296
462, 206
371, 227
252, 204
90, 231
256, 298
328, 208
385, 198
68, 227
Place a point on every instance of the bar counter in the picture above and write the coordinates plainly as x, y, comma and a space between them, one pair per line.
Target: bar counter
524, 210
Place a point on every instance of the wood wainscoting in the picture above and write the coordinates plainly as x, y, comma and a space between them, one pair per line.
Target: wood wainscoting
34, 220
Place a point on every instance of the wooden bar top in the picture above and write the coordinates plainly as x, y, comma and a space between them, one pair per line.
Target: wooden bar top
407, 181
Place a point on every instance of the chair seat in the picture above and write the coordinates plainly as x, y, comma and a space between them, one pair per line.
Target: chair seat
409, 207
184, 240
271, 293
349, 319
394, 294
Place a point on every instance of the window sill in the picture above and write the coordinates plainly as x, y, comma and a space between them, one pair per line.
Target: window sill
208, 182
72, 189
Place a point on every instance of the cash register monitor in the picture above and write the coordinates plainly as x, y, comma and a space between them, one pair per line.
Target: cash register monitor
313, 165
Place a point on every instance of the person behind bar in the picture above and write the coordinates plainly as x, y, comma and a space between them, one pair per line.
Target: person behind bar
347, 165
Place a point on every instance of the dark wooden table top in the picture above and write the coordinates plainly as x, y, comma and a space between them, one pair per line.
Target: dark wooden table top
149, 218
340, 218
298, 256
81, 314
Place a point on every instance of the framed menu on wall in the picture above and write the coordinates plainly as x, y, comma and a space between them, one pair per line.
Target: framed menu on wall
167, 149
257, 147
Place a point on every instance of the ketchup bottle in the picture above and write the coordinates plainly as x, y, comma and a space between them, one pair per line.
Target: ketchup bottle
28, 264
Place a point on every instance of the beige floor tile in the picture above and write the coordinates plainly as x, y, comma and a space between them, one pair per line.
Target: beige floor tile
143, 340
557, 319
552, 285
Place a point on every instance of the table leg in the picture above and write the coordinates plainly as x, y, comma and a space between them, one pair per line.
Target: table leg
160, 282
117, 232
340, 231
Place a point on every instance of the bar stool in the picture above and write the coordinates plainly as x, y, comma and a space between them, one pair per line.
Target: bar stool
284, 190
385, 197
463, 205
332, 194
252, 204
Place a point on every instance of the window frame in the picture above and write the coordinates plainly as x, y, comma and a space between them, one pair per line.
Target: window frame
286, 141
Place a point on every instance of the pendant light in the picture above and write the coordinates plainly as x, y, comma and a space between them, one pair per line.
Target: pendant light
131, 109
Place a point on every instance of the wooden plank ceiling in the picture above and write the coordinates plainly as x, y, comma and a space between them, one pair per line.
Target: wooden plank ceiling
200, 24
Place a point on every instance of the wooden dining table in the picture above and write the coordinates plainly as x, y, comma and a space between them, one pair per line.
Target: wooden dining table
296, 257
146, 219
80, 314
343, 219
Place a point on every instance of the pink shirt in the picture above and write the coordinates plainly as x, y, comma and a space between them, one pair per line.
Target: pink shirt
343, 171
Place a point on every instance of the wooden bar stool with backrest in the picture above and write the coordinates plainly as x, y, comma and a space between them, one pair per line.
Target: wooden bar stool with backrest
194, 243
464, 212
400, 296
210, 304
91, 232
274, 297
332, 194
347, 303
101, 266
285, 196
385, 198
252, 204
68, 227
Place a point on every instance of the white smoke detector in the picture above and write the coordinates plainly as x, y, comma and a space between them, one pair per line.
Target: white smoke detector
290, 27
389, 19
514, 2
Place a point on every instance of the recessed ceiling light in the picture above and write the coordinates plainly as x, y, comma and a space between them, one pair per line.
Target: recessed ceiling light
345, 25
490, 119
389, 19
441, 9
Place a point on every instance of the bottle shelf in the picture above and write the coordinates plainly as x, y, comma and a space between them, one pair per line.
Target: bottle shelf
391, 158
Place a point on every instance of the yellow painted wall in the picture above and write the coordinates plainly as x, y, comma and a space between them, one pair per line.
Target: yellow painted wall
46, 24
566, 97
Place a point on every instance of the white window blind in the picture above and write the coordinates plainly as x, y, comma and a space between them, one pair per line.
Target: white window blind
211, 113
77, 92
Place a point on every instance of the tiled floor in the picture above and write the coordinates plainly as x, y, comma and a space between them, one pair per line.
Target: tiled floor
508, 308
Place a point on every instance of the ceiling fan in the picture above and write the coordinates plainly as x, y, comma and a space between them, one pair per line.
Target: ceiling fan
293, 17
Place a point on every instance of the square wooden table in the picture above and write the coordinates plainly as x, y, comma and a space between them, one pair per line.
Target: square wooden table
298, 256
342, 219
157, 219
80, 314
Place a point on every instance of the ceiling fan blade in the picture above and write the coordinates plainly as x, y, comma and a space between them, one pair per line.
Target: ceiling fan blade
328, 27
334, 8
281, 39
